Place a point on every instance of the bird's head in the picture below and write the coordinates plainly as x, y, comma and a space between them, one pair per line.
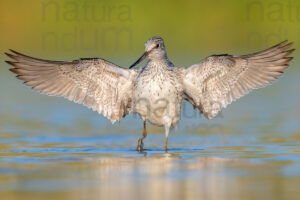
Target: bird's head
154, 49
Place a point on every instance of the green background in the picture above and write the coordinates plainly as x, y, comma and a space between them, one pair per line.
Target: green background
117, 30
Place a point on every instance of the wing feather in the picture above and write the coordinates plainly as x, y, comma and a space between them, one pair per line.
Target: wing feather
219, 80
96, 83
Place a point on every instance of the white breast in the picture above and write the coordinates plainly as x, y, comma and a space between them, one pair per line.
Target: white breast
158, 95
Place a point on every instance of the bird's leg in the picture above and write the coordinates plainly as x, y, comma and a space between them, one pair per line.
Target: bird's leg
166, 144
140, 142
167, 131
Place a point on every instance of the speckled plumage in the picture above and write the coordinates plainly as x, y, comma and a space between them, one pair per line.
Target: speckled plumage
158, 93
155, 91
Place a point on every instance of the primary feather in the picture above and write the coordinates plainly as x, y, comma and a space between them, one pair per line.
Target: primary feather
218, 80
96, 83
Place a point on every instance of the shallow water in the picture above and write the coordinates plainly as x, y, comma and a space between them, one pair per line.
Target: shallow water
54, 149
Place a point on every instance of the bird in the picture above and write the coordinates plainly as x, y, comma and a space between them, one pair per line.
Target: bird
156, 90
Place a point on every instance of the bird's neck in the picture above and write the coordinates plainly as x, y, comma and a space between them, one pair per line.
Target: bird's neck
159, 62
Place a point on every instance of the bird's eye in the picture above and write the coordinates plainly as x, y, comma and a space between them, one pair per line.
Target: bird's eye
157, 45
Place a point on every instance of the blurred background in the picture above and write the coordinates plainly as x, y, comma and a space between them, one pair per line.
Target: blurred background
52, 148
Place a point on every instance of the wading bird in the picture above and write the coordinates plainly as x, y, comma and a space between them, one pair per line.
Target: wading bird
156, 90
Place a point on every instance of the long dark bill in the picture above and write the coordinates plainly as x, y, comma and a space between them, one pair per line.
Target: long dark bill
139, 60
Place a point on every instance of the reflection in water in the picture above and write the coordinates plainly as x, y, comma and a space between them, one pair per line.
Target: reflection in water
101, 173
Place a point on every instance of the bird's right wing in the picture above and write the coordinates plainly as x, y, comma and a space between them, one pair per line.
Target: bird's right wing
96, 83
218, 80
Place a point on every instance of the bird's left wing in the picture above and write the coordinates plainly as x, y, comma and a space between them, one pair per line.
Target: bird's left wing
95, 83
218, 80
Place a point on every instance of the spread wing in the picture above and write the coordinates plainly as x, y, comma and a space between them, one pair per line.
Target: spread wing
96, 83
218, 80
